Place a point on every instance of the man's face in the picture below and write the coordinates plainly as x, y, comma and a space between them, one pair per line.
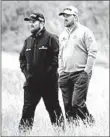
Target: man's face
34, 25
69, 20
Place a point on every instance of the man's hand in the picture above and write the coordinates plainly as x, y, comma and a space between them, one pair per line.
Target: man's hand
29, 78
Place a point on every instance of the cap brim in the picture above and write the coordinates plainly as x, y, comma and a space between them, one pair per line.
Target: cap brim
28, 19
62, 13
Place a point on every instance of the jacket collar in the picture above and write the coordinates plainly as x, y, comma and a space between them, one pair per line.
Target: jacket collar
39, 33
72, 28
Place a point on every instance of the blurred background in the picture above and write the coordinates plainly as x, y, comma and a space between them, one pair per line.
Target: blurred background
93, 14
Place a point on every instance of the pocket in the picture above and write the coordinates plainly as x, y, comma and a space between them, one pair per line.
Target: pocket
42, 54
41, 59
49, 69
25, 86
25, 74
63, 77
28, 53
82, 78
84, 75
62, 73
84, 72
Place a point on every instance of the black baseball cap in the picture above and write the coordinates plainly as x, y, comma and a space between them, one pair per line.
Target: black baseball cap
35, 16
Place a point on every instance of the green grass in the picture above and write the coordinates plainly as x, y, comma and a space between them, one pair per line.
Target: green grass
12, 102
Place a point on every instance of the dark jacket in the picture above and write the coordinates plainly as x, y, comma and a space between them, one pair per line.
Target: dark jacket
39, 55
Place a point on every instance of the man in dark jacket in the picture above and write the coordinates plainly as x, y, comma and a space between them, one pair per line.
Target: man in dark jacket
39, 63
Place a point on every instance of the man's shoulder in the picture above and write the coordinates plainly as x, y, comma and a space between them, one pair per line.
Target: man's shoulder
85, 28
28, 38
63, 31
51, 35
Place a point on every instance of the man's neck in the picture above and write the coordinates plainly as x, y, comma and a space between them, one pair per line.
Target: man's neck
39, 32
72, 27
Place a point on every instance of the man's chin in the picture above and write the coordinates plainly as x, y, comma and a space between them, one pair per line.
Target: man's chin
33, 31
66, 25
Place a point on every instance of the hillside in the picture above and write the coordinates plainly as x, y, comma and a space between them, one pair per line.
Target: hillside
93, 14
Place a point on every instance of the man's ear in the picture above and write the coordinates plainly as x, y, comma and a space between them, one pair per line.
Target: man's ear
41, 25
76, 17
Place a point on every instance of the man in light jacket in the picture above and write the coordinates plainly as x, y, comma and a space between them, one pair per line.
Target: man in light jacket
78, 49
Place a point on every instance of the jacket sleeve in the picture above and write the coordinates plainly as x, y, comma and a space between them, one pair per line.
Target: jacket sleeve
60, 58
22, 59
55, 51
92, 48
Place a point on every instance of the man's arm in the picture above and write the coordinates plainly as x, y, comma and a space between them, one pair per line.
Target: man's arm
55, 48
60, 58
22, 59
91, 46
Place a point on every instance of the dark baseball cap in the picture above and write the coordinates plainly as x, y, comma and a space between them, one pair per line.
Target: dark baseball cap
35, 16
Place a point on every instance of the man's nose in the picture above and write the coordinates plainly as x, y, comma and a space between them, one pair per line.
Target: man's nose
65, 19
30, 23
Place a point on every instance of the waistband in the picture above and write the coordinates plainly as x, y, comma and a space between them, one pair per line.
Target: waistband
76, 72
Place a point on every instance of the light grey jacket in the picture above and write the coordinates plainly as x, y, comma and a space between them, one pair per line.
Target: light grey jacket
78, 49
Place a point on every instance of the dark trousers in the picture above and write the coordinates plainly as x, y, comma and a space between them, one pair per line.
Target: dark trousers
33, 92
74, 88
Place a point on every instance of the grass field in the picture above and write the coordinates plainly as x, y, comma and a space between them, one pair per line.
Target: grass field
12, 102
